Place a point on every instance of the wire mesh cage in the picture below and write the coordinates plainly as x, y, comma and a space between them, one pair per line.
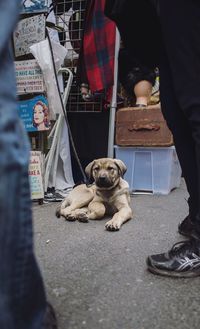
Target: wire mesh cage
70, 16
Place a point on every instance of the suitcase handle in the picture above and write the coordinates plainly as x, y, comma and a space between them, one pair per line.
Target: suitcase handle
141, 127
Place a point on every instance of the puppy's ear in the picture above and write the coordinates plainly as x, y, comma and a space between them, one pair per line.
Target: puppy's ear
121, 166
88, 169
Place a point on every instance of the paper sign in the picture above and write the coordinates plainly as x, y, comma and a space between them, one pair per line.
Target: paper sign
29, 31
34, 113
34, 6
35, 175
29, 77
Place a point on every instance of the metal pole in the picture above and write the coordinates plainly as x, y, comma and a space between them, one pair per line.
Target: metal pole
113, 106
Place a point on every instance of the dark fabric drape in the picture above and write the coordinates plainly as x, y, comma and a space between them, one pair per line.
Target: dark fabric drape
138, 24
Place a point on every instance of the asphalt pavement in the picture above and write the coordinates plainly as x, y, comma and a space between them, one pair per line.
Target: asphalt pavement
98, 279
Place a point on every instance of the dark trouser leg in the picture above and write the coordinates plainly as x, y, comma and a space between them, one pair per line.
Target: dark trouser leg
182, 134
193, 115
181, 30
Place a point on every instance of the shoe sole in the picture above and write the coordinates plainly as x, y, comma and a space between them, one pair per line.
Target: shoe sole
52, 200
173, 274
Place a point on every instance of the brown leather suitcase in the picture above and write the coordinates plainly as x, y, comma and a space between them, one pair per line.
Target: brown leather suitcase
142, 127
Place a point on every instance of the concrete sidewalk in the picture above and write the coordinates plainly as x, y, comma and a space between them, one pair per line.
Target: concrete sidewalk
98, 279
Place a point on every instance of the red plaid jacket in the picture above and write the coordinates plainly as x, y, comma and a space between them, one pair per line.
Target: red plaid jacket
98, 47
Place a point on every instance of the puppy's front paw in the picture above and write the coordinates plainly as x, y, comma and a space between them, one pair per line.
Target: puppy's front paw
83, 218
70, 217
112, 225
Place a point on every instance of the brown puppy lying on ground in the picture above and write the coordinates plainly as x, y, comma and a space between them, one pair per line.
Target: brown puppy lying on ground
109, 195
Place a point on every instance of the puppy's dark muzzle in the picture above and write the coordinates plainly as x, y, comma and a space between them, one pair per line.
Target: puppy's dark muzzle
103, 181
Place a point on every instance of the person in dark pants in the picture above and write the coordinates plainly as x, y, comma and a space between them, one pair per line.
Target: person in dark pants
180, 100
23, 302
176, 51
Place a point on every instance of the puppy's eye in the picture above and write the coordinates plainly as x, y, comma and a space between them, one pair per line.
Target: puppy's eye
96, 169
111, 168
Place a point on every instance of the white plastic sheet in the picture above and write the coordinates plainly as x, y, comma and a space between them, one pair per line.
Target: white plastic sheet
41, 52
64, 176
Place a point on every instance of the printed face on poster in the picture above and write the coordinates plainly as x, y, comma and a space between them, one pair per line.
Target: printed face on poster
35, 175
34, 6
29, 30
35, 113
29, 77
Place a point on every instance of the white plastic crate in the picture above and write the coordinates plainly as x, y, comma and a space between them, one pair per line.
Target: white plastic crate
156, 170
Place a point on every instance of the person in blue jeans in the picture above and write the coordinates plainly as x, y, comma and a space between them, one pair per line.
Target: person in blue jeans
23, 302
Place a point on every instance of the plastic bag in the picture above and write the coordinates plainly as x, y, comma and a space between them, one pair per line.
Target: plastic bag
41, 52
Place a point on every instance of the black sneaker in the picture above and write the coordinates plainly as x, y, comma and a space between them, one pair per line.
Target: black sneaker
182, 261
53, 197
186, 227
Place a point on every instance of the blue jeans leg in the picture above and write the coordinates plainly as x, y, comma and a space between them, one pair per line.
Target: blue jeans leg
22, 295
